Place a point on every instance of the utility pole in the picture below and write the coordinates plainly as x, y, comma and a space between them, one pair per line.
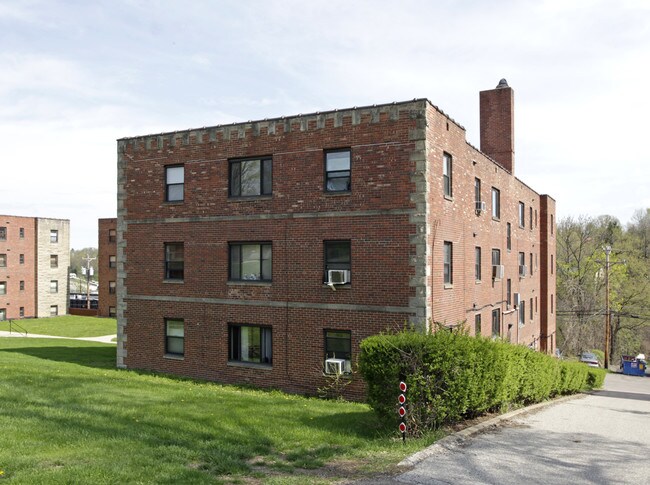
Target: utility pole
608, 250
608, 315
88, 268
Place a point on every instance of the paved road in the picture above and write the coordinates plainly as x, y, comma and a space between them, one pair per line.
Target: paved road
601, 438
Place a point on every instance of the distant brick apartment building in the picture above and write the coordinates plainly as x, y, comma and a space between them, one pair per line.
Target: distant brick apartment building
264, 252
107, 267
34, 264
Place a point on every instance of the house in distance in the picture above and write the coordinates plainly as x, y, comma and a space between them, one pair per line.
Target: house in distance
264, 252
34, 264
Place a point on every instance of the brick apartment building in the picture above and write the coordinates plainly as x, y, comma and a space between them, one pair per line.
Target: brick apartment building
107, 267
34, 262
228, 237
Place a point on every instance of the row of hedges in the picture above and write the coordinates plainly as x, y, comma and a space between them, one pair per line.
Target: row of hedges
452, 376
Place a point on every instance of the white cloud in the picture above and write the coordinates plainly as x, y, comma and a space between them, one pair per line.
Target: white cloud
78, 76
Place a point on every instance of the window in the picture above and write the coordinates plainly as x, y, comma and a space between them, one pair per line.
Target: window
535, 217
54, 261
508, 236
477, 192
522, 264
21, 312
250, 177
54, 310
21, 233
3, 314
54, 236
21, 285
552, 264
174, 183
112, 287
111, 311
497, 268
446, 174
551, 303
112, 235
522, 312
448, 261
496, 323
530, 218
552, 224
496, 203
3, 233
250, 344
535, 304
522, 214
251, 262
174, 261
477, 324
112, 261
337, 256
3, 287
54, 286
477, 263
531, 264
21, 258
174, 336
3, 260
531, 308
337, 171
338, 345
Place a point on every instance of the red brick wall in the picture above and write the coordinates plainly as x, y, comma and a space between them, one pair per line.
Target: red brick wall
15, 272
396, 239
548, 275
456, 220
106, 248
296, 219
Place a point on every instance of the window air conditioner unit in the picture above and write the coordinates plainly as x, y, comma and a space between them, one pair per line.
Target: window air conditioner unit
522, 270
497, 271
480, 206
334, 366
338, 276
517, 299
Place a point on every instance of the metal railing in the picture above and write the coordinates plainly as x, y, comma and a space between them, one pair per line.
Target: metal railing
13, 324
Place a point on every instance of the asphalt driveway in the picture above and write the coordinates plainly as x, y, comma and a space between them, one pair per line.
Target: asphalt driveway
600, 438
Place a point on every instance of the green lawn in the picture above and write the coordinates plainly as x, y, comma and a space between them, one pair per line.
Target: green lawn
65, 326
67, 416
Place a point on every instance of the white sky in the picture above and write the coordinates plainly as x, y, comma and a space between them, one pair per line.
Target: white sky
77, 75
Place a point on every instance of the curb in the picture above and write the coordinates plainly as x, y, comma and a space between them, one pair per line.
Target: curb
455, 439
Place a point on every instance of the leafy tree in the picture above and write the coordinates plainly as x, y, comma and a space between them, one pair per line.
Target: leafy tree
581, 283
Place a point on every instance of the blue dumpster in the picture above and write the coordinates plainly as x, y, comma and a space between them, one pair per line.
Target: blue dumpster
634, 367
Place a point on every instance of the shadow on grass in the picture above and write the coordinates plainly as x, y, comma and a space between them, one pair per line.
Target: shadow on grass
100, 356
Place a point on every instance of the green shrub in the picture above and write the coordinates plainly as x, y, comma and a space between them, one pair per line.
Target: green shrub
452, 376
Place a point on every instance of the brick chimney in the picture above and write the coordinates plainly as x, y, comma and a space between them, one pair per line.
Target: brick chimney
498, 125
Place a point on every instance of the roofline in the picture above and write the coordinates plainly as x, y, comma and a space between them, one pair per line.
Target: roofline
298, 116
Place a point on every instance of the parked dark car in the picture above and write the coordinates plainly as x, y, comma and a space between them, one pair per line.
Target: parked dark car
590, 359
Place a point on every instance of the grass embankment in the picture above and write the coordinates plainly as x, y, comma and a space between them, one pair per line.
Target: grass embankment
67, 416
65, 326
